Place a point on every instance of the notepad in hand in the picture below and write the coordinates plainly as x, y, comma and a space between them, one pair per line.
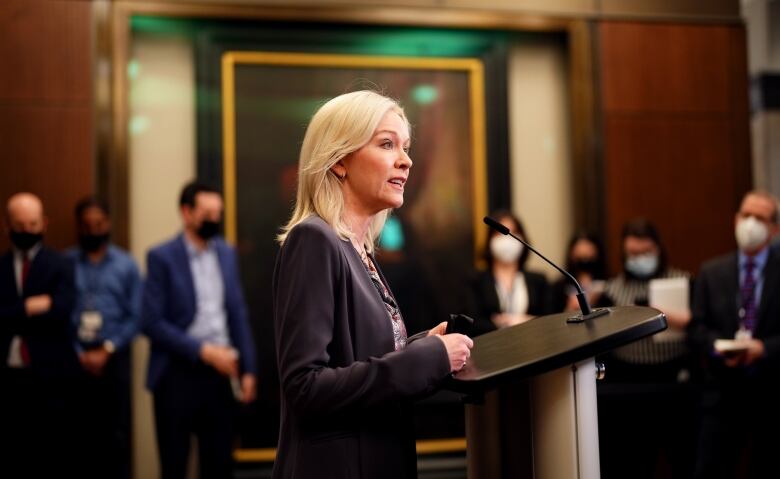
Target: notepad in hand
724, 346
669, 295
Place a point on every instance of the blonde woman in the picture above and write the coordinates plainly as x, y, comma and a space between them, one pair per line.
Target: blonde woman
347, 368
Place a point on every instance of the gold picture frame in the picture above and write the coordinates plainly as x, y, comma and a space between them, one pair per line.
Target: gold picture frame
476, 85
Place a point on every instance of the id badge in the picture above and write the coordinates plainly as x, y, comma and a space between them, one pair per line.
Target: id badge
89, 325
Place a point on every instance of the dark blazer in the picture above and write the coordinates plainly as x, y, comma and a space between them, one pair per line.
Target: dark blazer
345, 391
169, 307
47, 336
484, 303
715, 306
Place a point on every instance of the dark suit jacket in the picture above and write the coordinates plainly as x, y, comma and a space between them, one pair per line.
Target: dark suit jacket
48, 336
345, 391
484, 302
714, 313
169, 307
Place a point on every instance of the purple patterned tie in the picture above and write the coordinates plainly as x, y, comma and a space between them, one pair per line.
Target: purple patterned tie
747, 295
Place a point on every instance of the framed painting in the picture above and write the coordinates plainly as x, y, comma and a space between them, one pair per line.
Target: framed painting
429, 246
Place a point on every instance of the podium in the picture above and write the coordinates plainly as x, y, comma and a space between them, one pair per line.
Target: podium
555, 359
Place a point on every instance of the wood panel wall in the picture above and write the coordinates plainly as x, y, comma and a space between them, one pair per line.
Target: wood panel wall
674, 101
46, 113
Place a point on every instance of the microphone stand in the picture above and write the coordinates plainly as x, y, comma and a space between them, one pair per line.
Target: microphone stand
585, 310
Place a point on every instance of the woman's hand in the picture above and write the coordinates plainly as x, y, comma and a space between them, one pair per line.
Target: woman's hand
439, 330
678, 320
458, 349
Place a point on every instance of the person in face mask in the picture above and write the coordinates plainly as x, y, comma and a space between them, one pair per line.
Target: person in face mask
736, 298
506, 293
648, 380
585, 260
37, 361
203, 353
106, 318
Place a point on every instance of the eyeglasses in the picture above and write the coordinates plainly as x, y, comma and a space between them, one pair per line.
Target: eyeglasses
745, 215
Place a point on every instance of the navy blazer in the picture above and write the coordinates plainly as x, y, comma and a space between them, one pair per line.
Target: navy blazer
47, 336
169, 307
345, 391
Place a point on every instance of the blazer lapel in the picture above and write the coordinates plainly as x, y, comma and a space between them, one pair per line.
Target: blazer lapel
771, 282
182, 260
490, 293
379, 304
222, 253
38, 266
9, 276
730, 281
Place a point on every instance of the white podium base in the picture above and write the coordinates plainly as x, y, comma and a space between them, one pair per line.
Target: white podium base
564, 420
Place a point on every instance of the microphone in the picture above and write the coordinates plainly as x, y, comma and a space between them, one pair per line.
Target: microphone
586, 311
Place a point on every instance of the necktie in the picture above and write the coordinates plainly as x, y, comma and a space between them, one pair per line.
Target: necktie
23, 351
748, 296
25, 269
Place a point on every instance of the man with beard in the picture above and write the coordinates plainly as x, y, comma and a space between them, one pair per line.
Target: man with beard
203, 356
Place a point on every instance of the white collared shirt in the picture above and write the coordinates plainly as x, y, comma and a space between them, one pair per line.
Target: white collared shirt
514, 301
210, 323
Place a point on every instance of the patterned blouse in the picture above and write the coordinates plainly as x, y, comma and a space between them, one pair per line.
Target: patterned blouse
399, 329
623, 291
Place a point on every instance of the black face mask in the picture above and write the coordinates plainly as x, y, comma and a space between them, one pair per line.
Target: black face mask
24, 240
585, 266
208, 229
92, 243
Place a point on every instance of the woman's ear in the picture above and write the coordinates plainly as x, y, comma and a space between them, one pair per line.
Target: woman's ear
339, 170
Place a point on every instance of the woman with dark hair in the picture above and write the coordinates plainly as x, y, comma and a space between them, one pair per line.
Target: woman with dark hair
648, 381
644, 259
585, 261
506, 293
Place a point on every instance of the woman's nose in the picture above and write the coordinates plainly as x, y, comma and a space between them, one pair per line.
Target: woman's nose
404, 161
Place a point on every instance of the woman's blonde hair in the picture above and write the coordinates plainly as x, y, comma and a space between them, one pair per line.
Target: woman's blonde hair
341, 126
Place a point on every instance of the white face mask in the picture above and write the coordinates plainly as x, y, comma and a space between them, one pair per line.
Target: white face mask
750, 233
505, 248
643, 265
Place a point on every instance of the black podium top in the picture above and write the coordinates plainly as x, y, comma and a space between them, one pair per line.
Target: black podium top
549, 342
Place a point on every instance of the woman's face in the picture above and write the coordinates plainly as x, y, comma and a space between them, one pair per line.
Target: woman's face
636, 246
377, 172
505, 249
641, 256
584, 250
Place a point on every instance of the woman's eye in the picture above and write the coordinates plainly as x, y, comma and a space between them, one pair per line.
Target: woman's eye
387, 145
407, 149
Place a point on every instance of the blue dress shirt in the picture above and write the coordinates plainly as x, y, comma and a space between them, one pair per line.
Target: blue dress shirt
210, 323
113, 287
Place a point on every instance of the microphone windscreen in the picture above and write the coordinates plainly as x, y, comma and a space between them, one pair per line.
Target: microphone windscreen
496, 225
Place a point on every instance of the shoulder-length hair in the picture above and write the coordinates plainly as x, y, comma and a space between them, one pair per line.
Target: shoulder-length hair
340, 127
644, 229
519, 230
600, 271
